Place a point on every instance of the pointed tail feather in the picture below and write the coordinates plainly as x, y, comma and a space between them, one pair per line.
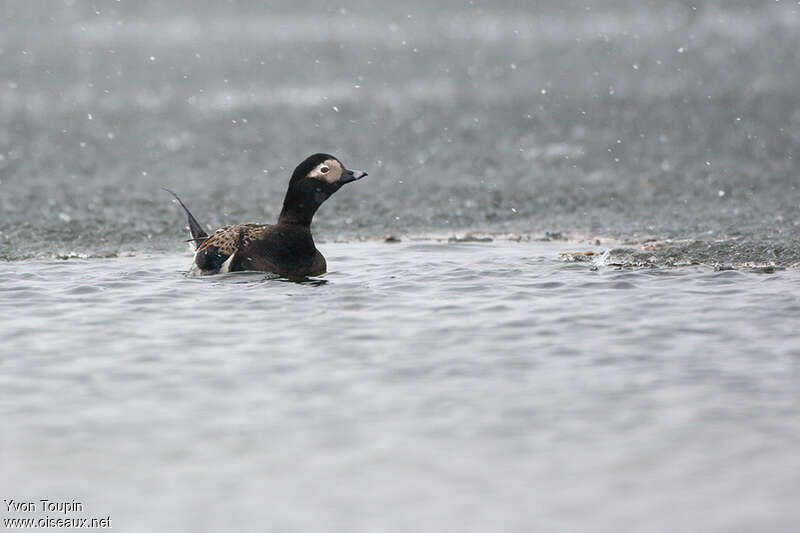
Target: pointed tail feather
196, 230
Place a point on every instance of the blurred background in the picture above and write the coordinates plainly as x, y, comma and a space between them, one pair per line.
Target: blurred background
628, 119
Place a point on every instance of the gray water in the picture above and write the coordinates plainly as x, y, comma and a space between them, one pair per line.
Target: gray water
565, 298
468, 386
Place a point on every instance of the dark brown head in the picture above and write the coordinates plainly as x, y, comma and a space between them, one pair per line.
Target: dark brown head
314, 181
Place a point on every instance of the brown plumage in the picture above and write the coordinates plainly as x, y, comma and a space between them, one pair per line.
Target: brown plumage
228, 239
286, 248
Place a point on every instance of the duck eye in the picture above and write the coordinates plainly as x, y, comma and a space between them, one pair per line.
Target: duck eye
324, 170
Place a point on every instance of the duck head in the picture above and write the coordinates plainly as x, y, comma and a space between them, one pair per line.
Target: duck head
314, 181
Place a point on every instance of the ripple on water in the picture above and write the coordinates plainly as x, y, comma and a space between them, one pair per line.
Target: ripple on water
723, 277
84, 289
547, 285
601, 285
15, 294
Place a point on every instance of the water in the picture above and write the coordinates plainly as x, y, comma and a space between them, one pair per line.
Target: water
565, 298
418, 385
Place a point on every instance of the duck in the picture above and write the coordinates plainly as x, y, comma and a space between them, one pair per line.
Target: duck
286, 248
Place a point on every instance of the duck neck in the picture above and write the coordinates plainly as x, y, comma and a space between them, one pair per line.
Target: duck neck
297, 209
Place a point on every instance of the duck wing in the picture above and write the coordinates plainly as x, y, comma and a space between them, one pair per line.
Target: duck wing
217, 253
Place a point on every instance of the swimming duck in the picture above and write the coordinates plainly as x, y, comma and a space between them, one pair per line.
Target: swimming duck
285, 248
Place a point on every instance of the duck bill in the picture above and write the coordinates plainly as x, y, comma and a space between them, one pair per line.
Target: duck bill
351, 175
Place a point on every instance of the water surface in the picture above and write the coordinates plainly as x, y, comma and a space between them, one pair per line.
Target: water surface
432, 386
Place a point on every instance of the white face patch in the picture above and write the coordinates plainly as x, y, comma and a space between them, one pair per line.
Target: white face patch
328, 171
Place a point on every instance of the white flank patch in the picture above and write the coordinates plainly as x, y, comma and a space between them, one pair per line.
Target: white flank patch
193, 244
227, 264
